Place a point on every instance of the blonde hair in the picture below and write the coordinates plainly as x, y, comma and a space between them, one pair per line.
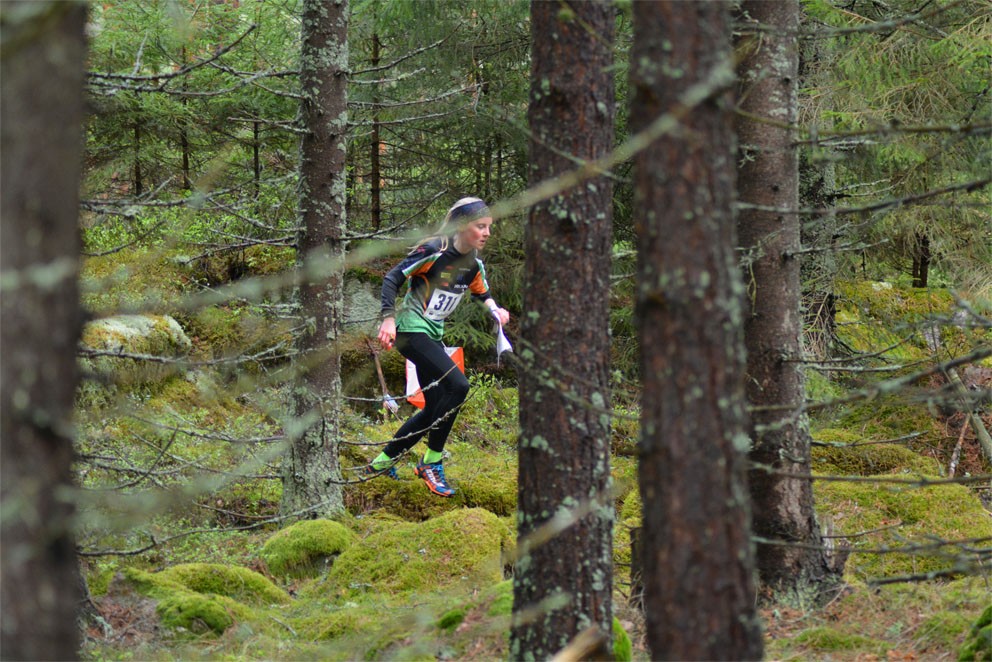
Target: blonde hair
459, 215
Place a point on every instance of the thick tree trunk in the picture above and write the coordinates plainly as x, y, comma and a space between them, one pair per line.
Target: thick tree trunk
697, 557
311, 474
769, 177
564, 386
44, 49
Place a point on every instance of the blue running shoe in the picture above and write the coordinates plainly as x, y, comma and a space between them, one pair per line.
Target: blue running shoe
433, 475
369, 470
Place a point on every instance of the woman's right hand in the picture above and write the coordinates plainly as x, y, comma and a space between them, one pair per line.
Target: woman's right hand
387, 333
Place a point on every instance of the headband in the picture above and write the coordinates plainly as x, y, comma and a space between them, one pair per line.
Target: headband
469, 211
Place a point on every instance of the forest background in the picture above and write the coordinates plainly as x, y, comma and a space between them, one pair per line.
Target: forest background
200, 352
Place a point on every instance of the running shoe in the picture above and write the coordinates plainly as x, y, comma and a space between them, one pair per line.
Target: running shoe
369, 470
433, 475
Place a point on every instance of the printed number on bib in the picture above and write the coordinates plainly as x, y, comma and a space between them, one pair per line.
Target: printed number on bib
441, 305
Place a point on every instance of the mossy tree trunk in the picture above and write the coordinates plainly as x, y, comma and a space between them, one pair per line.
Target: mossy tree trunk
770, 242
44, 49
697, 558
311, 473
564, 467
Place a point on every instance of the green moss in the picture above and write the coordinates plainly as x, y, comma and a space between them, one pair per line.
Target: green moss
456, 547
978, 645
943, 629
628, 518
889, 417
188, 606
451, 619
623, 649
483, 479
819, 387
132, 279
827, 639
238, 583
892, 517
194, 612
852, 456
301, 549
502, 599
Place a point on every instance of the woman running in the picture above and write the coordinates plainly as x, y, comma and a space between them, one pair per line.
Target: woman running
441, 270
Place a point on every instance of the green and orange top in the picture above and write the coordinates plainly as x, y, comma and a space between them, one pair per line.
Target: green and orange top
439, 277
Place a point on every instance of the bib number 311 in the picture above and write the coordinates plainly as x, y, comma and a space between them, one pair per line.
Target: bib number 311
442, 304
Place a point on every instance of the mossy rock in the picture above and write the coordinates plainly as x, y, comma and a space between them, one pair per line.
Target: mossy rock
133, 279
456, 547
482, 479
195, 612
978, 645
898, 516
302, 550
238, 583
877, 315
151, 335
180, 606
852, 456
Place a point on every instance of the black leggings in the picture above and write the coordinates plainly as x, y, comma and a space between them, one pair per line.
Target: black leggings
441, 401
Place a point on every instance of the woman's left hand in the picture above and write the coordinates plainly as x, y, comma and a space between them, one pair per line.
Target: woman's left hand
501, 315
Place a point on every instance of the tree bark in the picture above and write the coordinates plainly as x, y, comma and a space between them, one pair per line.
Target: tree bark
697, 558
564, 467
770, 241
311, 473
921, 259
376, 176
44, 49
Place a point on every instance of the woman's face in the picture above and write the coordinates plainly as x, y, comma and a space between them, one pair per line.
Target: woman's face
475, 233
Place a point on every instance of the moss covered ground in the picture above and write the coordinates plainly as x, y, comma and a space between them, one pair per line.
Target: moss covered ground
404, 575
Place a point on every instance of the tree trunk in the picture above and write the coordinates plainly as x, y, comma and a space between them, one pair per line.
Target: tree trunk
564, 467
817, 190
921, 259
769, 240
311, 475
44, 50
256, 153
137, 183
376, 176
697, 557
184, 130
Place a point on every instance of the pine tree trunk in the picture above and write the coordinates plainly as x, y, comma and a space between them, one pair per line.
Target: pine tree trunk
921, 260
44, 51
697, 557
311, 473
769, 240
564, 467
137, 182
376, 176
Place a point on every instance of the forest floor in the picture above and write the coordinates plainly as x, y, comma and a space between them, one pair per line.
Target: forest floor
365, 613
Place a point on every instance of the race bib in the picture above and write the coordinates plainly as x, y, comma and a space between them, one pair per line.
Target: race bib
442, 304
